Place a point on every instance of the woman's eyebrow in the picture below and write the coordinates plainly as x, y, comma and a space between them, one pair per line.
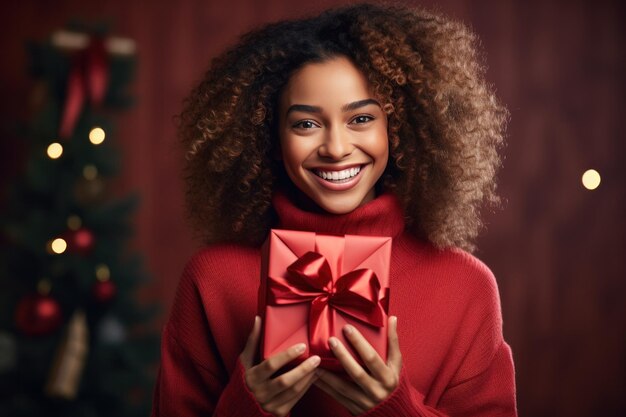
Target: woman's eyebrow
358, 104
303, 108
345, 108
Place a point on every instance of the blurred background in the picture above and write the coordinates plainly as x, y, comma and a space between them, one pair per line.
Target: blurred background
557, 249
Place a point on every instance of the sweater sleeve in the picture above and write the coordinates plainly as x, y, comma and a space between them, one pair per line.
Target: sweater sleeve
186, 388
193, 379
490, 393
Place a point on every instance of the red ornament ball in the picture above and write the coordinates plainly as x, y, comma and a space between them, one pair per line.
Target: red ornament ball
38, 315
80, 241
104, 291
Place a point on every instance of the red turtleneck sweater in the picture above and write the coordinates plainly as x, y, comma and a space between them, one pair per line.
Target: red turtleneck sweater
455, 360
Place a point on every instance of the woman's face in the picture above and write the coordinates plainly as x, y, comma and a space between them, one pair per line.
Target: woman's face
333, 135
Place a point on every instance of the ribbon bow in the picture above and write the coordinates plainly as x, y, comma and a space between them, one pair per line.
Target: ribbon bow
309, 278
89, 77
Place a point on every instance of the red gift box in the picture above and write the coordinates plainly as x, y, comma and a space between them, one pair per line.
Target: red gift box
312, 285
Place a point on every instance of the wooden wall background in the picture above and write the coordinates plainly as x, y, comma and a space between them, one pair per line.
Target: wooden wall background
557, 249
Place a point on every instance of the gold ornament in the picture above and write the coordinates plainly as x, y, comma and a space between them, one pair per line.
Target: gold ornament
69, 360
89, 192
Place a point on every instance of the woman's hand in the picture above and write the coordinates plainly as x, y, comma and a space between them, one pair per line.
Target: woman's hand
365, 391
277, 395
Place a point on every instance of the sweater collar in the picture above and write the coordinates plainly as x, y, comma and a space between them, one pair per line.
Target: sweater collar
382, 216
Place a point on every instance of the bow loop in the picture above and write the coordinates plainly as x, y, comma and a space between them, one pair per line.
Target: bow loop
357, 294
312, 270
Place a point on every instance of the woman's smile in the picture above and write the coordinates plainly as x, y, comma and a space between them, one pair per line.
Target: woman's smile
339, 179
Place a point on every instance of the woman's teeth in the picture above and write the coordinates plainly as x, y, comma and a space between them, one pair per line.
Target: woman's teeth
346, 174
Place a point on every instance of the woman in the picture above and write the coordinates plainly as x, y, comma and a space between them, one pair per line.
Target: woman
364, 120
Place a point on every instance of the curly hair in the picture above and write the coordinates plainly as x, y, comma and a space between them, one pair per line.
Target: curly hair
445, 125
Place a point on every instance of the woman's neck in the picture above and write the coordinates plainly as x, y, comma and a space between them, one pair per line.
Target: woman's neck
382, 216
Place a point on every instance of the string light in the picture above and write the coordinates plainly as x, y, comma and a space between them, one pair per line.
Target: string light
96, 135
58, 245
44, 286
90, 172
74, 222
55, 150
103, 273
591, 179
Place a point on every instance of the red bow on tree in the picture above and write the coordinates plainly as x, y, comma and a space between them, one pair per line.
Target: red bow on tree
309, 279
89, 76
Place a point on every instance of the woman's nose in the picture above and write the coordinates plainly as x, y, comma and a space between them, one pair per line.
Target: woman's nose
336, 144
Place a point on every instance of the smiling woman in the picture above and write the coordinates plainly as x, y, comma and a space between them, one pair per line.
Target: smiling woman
333, 136
362, 121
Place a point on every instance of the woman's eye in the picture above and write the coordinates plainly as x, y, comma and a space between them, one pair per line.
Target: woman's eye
362, 119
305, 124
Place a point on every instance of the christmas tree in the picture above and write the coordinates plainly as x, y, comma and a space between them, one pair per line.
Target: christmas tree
74, 341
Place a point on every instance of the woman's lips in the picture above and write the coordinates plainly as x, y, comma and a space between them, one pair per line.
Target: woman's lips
344, 184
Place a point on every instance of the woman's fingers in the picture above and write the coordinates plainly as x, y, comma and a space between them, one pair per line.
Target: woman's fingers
346, 388
356, 372
247, 356
343, 392
264, 370
288, 385
288, 379
277, 395
282, 403
394, 357
368, 354
374, 388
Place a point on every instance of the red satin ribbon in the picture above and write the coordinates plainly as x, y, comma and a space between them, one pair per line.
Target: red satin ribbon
89, 76
309, 279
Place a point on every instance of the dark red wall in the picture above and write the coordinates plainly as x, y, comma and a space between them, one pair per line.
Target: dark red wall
556, 249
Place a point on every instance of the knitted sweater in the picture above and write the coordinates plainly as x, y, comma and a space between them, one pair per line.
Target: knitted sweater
455, 360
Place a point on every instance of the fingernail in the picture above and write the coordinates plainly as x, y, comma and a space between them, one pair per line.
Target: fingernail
315, 360
332, 342
300, 347
348, 329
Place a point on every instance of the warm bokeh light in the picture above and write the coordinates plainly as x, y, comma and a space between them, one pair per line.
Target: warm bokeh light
55, 150
96, 136
102, 272
58, 245
74, 222
591, 179
90, 172
43, 287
